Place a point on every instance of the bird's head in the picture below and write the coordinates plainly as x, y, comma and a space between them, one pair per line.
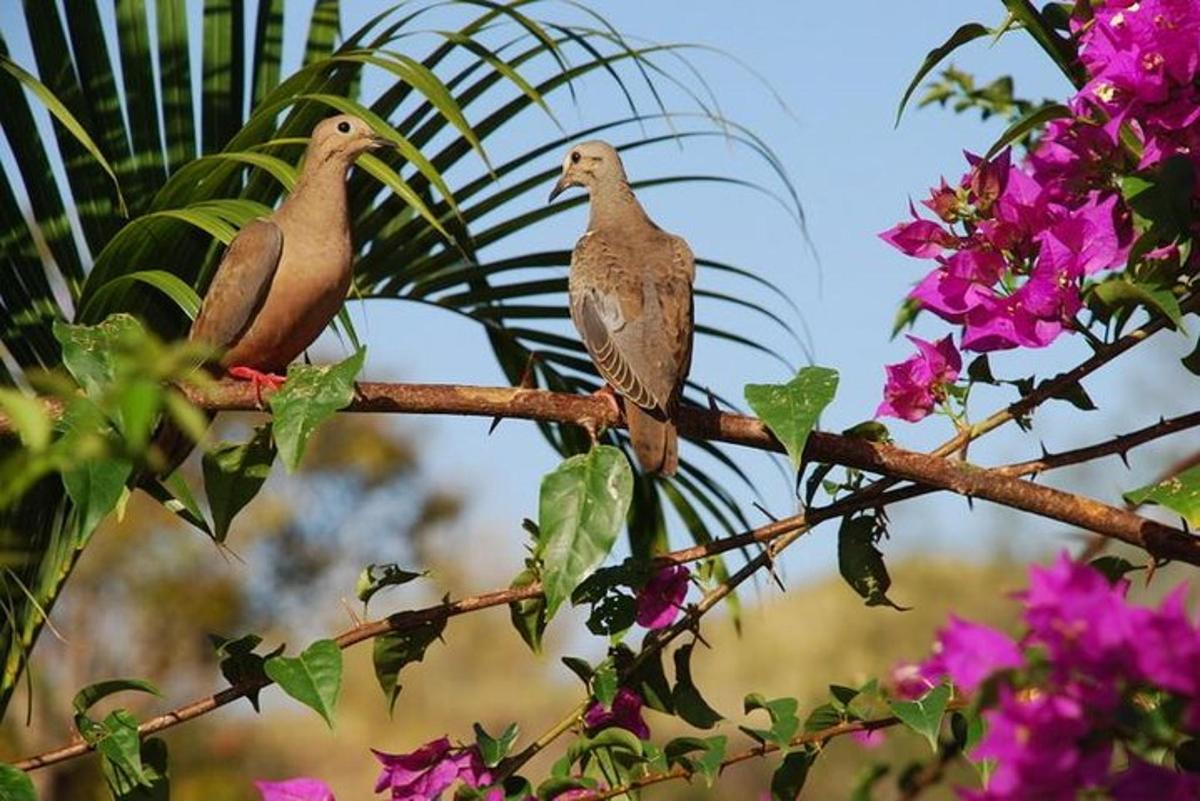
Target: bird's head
344, 137
589, 164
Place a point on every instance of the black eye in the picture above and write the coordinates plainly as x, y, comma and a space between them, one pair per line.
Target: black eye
344, 126
575, 157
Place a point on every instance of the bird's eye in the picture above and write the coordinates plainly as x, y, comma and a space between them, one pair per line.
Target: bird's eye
344, 126
575, 157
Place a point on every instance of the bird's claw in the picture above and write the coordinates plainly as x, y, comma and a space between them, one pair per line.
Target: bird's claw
258, 379
609, 395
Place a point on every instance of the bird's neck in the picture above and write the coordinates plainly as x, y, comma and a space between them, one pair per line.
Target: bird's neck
320, 190
614, 204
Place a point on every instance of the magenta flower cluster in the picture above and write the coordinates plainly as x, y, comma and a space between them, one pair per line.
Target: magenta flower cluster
1064, 693
1012, 244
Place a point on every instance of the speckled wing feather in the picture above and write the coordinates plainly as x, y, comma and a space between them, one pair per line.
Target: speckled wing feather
240, 285
631, 299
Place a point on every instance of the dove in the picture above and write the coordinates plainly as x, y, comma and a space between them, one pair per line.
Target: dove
284, 277
630, 291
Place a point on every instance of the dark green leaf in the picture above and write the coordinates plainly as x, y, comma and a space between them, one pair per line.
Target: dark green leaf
822, 717
649, 680
86, 698
1121, 293
861, 563
683, 751
1162, 198
980, 370
314, 678
784, 723
116, 739
604, 683
580, 668
965, 33
1030, 122
240, 666
1187, 756
395, 650
924, 715
791, 410
1180, 494
15, 785
1077, 396
1114, 568
374, 578
581, 509
613, 737
791, 774
557, 785
688, 702
1060, 50
154, 770
310, 396
842, 694
494, 749
529, 615
233, 474
1192, 360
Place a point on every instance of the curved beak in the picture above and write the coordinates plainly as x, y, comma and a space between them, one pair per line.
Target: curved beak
563, 183
378, 142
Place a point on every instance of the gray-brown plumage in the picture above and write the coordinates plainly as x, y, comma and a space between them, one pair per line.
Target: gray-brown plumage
284, 278
631, 299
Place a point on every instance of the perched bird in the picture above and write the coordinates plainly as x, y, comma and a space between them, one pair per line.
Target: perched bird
631, 299
284, 277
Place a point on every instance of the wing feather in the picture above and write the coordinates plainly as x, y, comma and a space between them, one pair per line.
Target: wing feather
240, 285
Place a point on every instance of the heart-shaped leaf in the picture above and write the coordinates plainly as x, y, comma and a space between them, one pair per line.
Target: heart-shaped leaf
314, 678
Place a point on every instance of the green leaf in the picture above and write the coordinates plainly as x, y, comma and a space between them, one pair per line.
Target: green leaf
68, 121
965, 33
529, 615
1180, 494
89, 351
1114, 568
791, 410
581, 509
613, 737
924, 715
784, 723
233, 474
682, 751
649, 679
861, 563
688, 702
27, 416
823, 717
1120, 292
167, 283
604, 683
1060, 50
1161, 198
493, 749
1035, 119
310, 395
374, 578
15, 785
156, 786
868, 777
1075, 395
86, 698
314, 678
240, 666
395, 650
116, 739
791, 774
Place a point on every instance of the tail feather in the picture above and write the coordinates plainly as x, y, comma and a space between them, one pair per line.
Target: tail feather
655, 441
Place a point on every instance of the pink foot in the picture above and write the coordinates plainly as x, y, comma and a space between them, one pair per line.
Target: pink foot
258, 379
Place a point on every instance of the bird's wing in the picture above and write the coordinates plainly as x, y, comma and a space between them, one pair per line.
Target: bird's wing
632, 304
240, 285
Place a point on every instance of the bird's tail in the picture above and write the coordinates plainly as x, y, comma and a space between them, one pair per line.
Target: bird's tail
655, 441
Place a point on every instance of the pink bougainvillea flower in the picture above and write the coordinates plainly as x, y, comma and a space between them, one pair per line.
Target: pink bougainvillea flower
625, 713
1167, 649
295, 790
916, 384
659, 602
869, 738
425, 773
922, 239
1142, 781
908, 680
1081, 619
1038, 742
970, 652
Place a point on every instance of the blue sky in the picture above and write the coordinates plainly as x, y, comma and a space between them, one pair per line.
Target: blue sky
840, 68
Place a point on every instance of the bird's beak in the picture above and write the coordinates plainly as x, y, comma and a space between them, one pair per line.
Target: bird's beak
563, 183
379, 142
